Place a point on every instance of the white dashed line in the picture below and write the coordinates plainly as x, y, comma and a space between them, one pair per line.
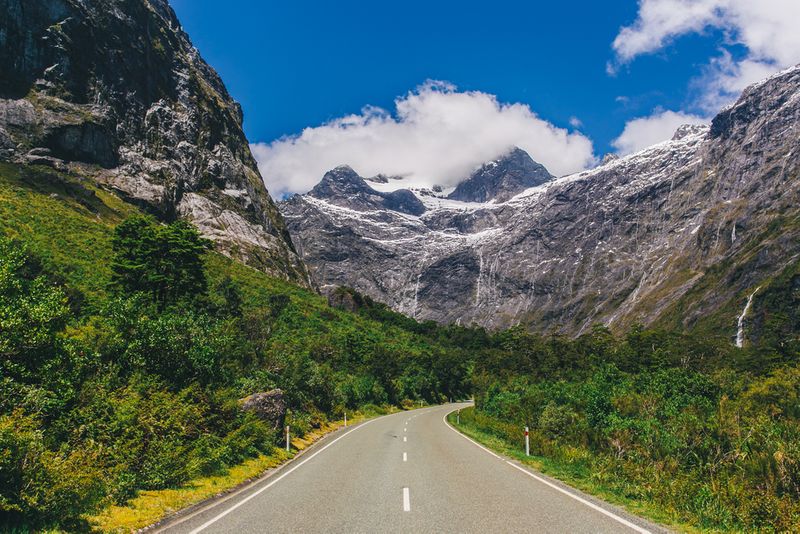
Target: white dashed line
405, 457
406, 500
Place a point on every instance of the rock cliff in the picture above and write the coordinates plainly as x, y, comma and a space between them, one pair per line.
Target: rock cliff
114, 90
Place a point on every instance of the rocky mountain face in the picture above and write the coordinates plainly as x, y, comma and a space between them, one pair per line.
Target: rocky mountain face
677, 233
502, 179
344, 187
113, 90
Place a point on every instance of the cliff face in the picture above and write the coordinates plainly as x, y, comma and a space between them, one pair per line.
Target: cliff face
673, 234
114, 90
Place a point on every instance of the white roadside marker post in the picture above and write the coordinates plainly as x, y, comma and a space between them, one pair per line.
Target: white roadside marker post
458, 417
345, 419
287, 438
527, 443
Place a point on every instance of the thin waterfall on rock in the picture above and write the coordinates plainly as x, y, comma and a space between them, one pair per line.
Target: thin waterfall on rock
745, 311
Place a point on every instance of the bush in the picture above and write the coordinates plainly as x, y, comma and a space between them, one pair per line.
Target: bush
39, 487
556, 421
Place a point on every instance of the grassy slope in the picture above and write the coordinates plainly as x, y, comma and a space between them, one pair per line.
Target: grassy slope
68, 222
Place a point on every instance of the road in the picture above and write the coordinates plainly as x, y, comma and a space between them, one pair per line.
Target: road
406, 472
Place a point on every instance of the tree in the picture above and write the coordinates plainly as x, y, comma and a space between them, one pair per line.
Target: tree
164, 261
32, 312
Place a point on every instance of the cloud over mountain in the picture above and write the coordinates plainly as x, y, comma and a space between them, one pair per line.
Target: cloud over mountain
646, 131
436, 135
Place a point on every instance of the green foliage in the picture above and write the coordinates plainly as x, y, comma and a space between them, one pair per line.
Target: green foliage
32, 311
113, 392
163, 261
39, 486
717, 448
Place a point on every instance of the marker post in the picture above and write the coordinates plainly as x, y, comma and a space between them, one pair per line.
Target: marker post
288, 443
527, 443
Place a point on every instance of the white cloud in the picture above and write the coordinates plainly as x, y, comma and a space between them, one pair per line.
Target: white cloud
575, 122
437, 135
766, 28
646, 131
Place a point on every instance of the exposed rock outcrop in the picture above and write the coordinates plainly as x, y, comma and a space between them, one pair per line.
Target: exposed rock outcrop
344, 187
501, 179
269, 406
114, 90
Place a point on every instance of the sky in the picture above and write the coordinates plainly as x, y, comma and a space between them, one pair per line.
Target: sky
429, 90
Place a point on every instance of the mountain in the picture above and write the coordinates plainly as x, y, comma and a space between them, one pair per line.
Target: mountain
114, 91
502, 179
344, 187
680, 233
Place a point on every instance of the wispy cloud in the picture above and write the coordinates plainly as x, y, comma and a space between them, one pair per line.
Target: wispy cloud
436, 135
766, 30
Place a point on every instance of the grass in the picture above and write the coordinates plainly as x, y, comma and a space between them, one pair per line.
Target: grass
575, 475
37, 204
150, 507
67, 221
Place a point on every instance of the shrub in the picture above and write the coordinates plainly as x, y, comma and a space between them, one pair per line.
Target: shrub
39, 487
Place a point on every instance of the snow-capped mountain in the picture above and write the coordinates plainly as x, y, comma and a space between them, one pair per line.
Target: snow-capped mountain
502, 179
678, 231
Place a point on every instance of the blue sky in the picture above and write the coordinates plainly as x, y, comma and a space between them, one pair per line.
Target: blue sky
302, 64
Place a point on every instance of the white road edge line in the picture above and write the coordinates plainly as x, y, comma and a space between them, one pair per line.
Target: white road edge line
406, 500
467, 438
581, 500
278, 479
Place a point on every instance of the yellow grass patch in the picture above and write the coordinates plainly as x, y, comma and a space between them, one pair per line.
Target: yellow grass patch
152, 506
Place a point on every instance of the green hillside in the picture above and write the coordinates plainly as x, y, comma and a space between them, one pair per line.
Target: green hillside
106, 391
104, 394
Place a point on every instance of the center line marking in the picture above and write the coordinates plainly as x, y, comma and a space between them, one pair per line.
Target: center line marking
405, 457
405, 430
406, 501
405, 439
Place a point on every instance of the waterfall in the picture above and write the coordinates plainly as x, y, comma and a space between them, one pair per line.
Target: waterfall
740, 331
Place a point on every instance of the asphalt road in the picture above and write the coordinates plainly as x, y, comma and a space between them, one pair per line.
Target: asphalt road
406, 472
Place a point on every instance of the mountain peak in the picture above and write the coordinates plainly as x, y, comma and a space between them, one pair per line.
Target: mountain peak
501, 179
344, 187
341, 182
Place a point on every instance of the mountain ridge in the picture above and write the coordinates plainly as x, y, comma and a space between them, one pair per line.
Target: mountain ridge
666, 234
501, 179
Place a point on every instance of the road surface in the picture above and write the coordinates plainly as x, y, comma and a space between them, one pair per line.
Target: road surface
406, 472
